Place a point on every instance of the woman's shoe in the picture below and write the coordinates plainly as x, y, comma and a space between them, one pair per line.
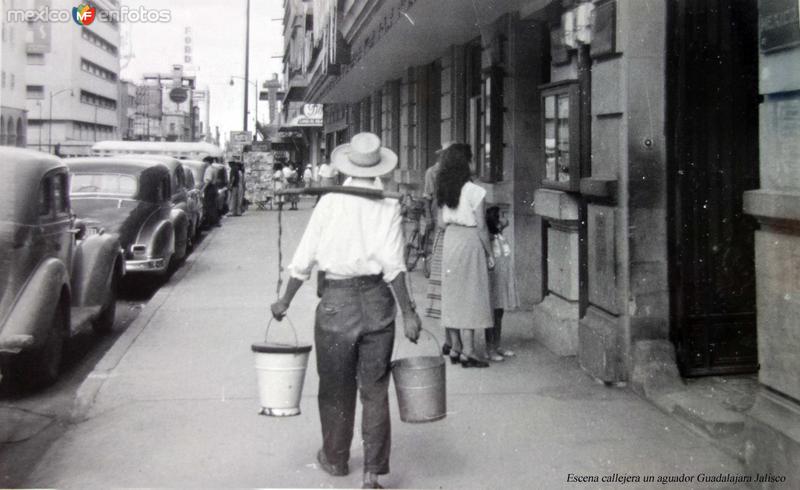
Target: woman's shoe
470, 362
495, 357
455, 356
446, 349
506, 352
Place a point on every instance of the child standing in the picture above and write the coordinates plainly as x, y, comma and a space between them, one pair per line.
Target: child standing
502, 288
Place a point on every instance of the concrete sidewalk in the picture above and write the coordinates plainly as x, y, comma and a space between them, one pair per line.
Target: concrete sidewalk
176, 404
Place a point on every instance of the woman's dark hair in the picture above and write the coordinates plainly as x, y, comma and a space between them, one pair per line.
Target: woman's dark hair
453, 174
277, 166
493, 220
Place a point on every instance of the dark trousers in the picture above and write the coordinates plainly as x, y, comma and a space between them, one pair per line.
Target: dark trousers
210, 201
493, 334
354, 336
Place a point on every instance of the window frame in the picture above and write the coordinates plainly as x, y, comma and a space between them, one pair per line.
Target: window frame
571, 90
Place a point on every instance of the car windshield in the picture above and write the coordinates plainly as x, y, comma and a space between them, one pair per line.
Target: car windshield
115, 184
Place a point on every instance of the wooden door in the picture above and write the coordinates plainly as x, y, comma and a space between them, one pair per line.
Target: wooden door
713, 134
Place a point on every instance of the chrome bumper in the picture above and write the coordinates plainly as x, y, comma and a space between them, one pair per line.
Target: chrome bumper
148, 265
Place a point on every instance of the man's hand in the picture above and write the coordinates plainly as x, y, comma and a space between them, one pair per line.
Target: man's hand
279, 309
490, 262
412, 325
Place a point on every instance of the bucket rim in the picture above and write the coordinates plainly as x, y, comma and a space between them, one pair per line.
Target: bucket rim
273, 348
435, 361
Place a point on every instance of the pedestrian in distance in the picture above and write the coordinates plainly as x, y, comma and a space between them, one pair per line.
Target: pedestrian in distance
236, 187
308, 176
357, 242
327, 176
502, 287
278, 183
434, 225
466, 256
291, 178
210, 194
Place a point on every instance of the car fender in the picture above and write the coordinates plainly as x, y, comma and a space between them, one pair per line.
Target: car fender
159, 237
180, 222
96, 258
33, 310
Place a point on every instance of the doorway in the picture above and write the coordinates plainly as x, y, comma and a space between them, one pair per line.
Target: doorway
713, 134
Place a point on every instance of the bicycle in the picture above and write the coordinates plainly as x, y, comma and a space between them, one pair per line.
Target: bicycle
417, 241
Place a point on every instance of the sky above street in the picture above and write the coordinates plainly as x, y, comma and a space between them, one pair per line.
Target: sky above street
218, 31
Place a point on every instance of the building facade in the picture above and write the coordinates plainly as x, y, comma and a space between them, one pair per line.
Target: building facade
13, 111
148, 114
127, 109
72, 85
773, 424
647, 165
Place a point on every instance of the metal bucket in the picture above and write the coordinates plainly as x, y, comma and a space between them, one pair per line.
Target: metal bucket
421, 388
281, 372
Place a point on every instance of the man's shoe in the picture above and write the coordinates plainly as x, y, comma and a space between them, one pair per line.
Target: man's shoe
329, 468
371, 481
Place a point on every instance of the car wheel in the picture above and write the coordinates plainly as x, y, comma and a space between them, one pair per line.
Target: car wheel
43, 365
190, 234
104, 323
181, 248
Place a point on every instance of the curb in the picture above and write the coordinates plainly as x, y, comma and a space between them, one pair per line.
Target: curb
90, 387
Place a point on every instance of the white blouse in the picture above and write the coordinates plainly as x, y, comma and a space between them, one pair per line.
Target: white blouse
471, 197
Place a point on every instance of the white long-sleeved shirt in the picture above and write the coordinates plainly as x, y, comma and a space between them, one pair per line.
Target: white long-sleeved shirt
350, 236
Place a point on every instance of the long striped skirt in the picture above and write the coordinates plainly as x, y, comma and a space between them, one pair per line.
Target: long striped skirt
434, 308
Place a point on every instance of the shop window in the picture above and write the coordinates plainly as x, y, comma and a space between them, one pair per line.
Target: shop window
561, 123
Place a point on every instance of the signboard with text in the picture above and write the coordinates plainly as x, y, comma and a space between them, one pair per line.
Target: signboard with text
238, 141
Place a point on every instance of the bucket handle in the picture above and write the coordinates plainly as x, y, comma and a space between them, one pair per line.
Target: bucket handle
438, 346
294, 330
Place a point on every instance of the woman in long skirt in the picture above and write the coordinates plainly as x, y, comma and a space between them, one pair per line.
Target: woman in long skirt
466, 257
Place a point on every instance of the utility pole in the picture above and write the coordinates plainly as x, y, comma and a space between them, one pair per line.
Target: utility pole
246, 64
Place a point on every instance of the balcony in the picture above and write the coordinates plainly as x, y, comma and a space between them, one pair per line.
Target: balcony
296, 84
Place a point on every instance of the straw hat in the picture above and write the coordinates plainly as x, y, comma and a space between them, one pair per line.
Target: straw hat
364, 157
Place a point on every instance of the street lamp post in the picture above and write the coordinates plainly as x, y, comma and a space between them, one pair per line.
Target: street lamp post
247, 64
50, 118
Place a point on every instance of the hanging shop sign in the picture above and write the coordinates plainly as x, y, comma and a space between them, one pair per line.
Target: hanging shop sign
238, 141
179, 95
310, 118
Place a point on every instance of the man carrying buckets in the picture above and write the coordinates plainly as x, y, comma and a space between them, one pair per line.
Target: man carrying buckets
358, 243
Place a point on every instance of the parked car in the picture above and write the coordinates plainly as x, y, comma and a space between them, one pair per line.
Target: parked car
59, 274
133, 198
183, 198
